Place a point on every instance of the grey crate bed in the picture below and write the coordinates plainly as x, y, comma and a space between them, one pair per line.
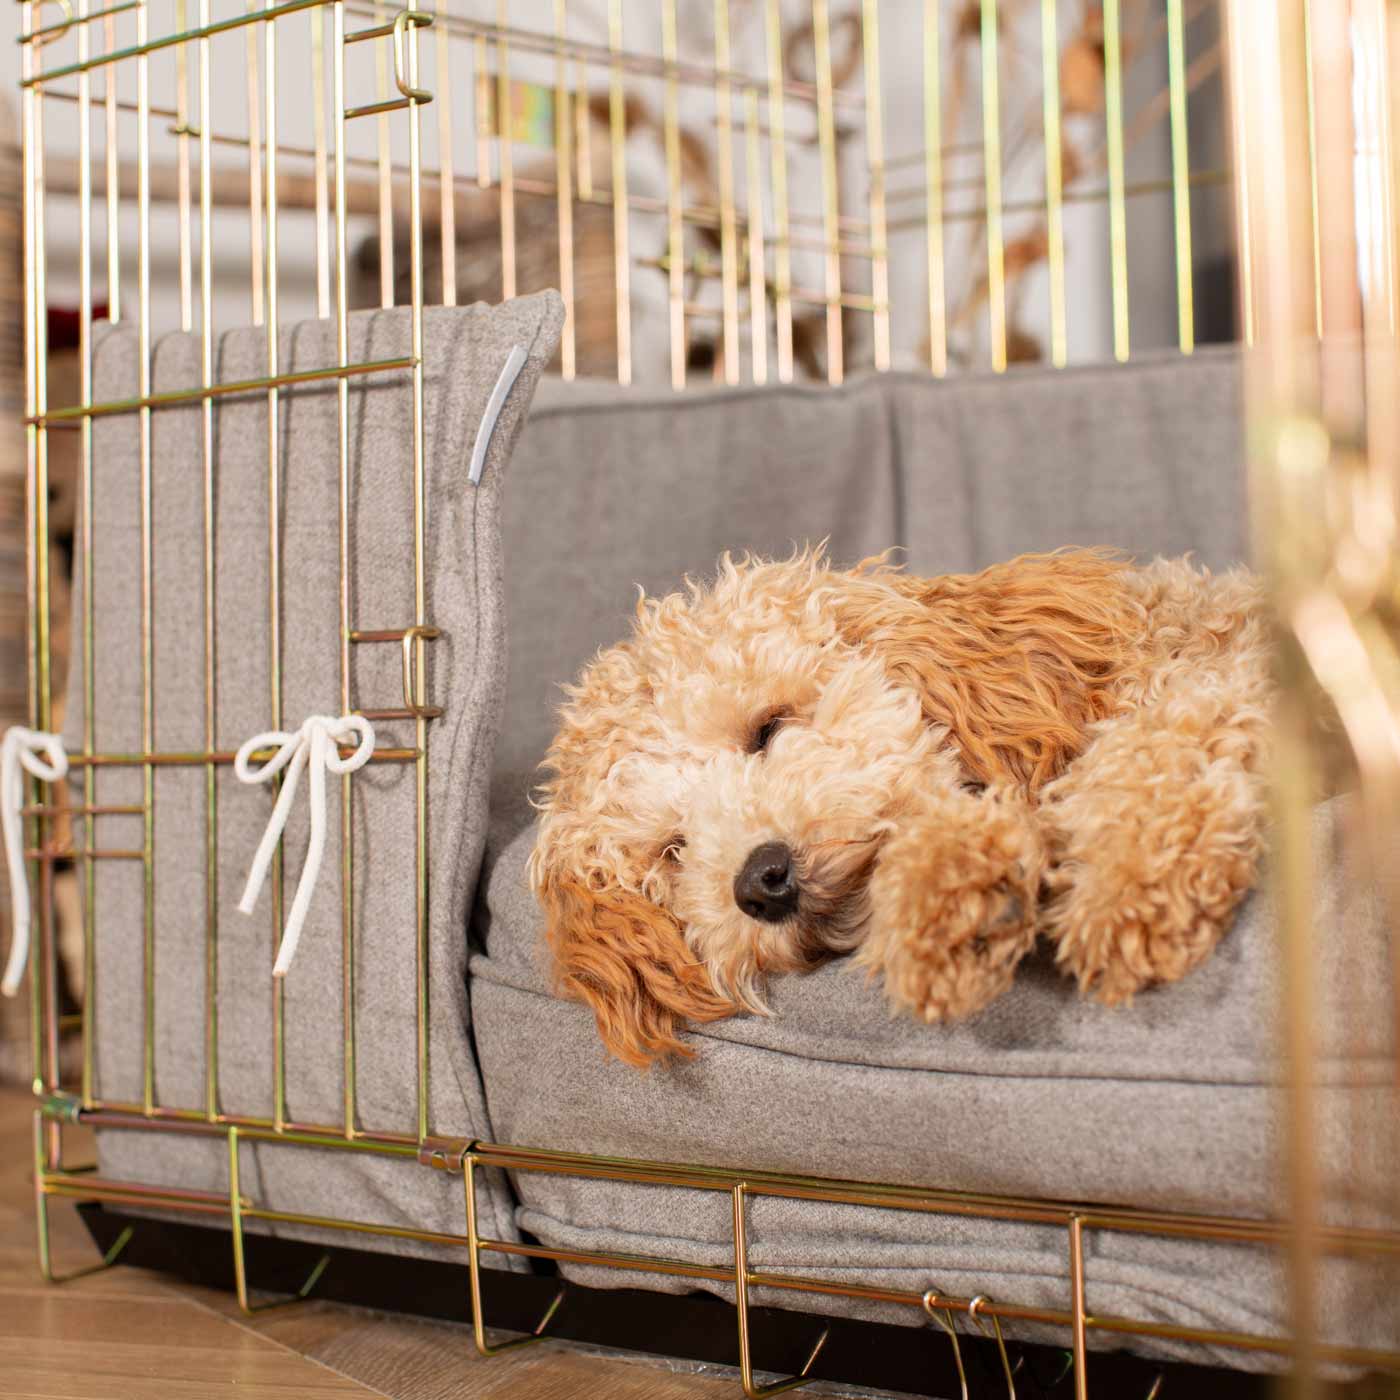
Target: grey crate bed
1171, 1105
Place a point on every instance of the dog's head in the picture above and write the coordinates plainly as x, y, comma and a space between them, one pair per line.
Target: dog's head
723, 779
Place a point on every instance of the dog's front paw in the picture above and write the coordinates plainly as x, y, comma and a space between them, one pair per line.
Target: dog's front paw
954, 905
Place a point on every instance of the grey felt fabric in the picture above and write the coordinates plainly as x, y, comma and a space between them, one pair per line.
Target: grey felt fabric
465, 351
1173, 1104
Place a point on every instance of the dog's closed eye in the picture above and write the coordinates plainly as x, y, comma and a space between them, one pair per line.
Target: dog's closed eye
765, 728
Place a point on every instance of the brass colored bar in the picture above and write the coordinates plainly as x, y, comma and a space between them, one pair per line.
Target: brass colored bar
87, 1184
212, 391
481, 115
564, 204
75, 22
1181, 167
675, 218
777, 159
90, 806
446, 177
191, 1121
1076, 1285
617, 140
758, 274
142, 47
359, 1227
831, 205
1117, 212
84, 810
1310, 85
728, 231
219, 756
75, 1192
1240, 161
235, 1210
206, 447
318, 137
991, 156
583, 136
50, 853
505, 146
255, 218
182, 170
148, 694
274, 549
381, 108
1054, 178
875, 157
342, 343
933, 190
113, 181
417, 635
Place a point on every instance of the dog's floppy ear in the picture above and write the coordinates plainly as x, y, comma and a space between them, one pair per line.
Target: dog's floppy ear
627, 959
1016, 661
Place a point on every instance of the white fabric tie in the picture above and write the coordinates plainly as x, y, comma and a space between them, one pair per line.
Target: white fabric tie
20, 749
316, 742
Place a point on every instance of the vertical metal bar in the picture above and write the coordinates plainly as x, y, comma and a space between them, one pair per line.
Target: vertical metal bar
741, 1285
617, 141
933, 187
675, 225
583, 133
235, 1212
505, 137
831, 194
206, 375
85, 547
112, 154
342, 344
481, 114
447, 178
875, 158
991, 157
1181, 177
255, 217
1076, 1284
420, 529
1054, 178
1117, 204
1239, 140
758, 275
182, 167
148, 697
274, 548
564, 198
41, 1198
473, 1252
318, 139
728, 233
386, 172
1312, 162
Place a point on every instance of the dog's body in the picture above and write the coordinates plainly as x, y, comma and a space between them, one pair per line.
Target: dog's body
798, 762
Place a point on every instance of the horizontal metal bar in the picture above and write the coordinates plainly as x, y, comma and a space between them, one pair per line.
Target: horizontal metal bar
72, 20
54, 1182
359, 1227
214, 391
167, 41
374, 109
185, 760
70, 853
37, 810
194, 1121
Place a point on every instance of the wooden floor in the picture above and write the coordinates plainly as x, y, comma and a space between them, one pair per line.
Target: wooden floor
126, 1334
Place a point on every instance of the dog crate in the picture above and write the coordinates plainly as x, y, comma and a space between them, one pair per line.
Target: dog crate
731, 192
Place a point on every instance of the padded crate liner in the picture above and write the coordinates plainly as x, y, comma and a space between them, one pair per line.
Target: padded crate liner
465, 350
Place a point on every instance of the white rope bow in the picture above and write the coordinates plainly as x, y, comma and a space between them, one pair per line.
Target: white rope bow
19, 749
316, 741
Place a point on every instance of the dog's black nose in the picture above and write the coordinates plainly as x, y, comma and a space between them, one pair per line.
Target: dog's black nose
766, 887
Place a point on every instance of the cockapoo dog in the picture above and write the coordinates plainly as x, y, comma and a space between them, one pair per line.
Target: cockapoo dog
798, 762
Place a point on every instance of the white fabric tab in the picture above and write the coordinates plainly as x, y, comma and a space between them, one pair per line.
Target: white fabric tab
515, 362
316, 742
20, 749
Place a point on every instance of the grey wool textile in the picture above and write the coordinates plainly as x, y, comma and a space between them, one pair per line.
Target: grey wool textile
465, 350
1172, 1103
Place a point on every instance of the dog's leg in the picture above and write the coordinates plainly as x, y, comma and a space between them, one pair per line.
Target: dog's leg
1155, 834
953, 902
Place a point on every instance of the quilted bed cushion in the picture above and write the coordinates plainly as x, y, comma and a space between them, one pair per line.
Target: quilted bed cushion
1172, 1104
465, 351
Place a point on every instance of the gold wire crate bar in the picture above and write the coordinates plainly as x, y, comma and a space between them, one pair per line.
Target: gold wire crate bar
174, 397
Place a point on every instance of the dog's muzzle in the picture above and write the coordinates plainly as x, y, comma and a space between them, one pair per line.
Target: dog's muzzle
766, 888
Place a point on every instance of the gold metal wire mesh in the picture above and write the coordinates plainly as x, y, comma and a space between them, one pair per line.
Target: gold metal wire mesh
739, 190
